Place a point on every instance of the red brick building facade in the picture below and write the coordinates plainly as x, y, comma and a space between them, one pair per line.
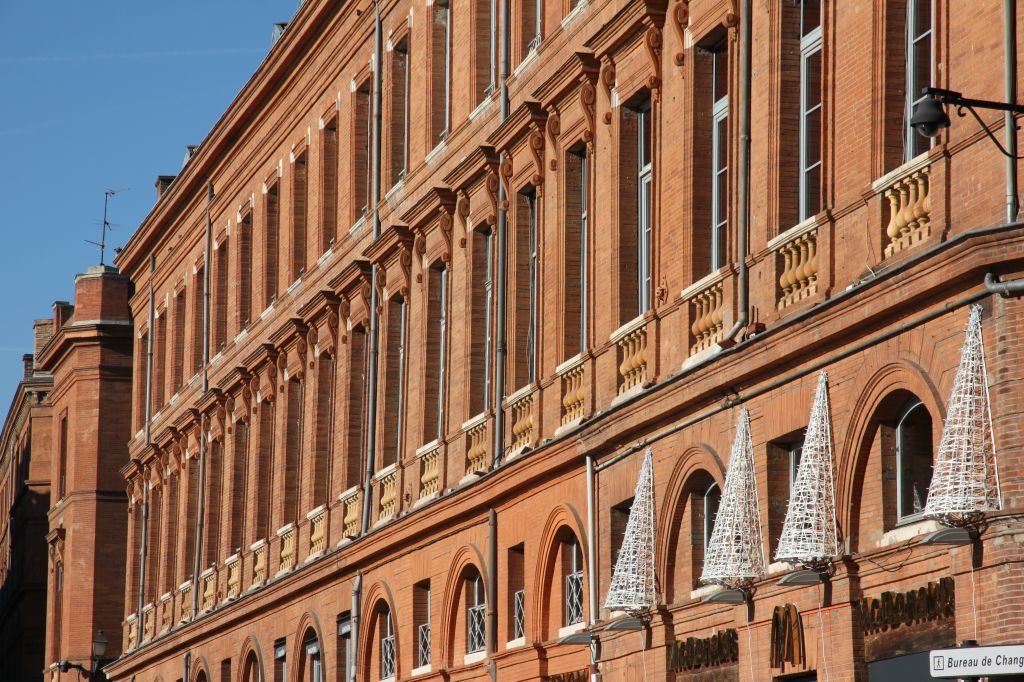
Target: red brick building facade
423, 287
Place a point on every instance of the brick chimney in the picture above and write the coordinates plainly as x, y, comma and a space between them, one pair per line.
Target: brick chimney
101, 295
42, 332
28, 365
62, 312
163, 183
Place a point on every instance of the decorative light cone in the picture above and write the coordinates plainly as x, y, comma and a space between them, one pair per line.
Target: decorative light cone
965, 481
735, 555
809, 534
633, 587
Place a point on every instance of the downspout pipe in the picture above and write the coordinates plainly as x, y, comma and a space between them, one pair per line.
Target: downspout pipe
743, 190
492, 592
148, 429
595, 642
357, 597
142, 561
1011, 288
201, 501
371, 412
502, 226
186, 662
1010, 95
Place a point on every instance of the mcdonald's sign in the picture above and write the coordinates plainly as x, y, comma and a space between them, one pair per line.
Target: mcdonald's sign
787, 645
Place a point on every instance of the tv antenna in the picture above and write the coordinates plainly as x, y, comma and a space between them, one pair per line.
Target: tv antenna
102, 243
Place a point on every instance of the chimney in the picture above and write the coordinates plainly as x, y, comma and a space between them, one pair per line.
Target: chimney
28, 365
279, 28
62, 312
190, 151
42, 331
163, 183
101, 295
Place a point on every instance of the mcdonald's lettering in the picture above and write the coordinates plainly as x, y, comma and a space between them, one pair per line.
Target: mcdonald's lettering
691, 652
787, 644
892, 609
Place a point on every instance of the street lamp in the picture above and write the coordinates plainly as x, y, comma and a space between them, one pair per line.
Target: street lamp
930, 118
99, 650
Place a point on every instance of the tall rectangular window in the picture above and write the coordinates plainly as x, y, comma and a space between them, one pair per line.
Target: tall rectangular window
245, 271
517, 592
485, 54
324, 411
644, 201
264, 469
191, 516
437, 352
524, 314
482, 274
531, 17
574, 245
197, 320
421, 622
280, 661
142, 364
440, 70
362, 162
292, 452
239, 467
62, 485
220, 295
299, 208
810, 108
719, 152
356, 418
572, 572
213, 501
394, 380
271, 233
476, 610
919, 71
399, 133
159, 361
345, 662
178, 364
329, 186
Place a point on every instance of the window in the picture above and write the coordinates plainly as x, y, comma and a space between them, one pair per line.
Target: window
142, 363
239, 468
796, 451
220, 293
572, 569
251, 669
292, 450
356, 421
913, 459
394, 380
482, 274
197, 320
574, 245
213, 501
485, 56
634, 238
62, 485
154, 545
387, 644
178, 363
437, 333
280, 662
362, 162
421, 622
440, 71
810, 108
476, 630
644, 198
524, 264
324, 431
619, 521
517, 593
712, 499
264, 464
170, 556
191, 517
272, 227
329, 191
344, 663
399, 134
314, 666
919, 71
719, 152
159, 360
531, 16
299, 208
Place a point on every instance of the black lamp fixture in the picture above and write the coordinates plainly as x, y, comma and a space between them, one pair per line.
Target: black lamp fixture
930, 116
99, 651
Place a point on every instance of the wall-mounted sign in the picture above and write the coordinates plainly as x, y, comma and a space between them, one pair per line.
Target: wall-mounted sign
690, 653
787, 645
978, 661
582, 675
890, 610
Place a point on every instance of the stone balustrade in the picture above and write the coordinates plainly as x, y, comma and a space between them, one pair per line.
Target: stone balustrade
185, 601
350, 510
910, 205
259, 563
521, 406
476, 448
234, 569
388, 485
707, 315
209, 594
286, 543
130, 632
166, 613
430, 473
317, 532
148, 622
797, 262
631, 342
573, 394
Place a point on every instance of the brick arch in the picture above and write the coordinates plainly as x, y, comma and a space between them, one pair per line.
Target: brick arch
200, 670
561, 520
310, 621
698, 466
379, 594
467, 558
251, 647
884, 381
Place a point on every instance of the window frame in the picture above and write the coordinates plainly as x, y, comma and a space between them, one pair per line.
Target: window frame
388, 667
810, 46
476, 631
573, 611
488, 236
645, 203
910, 408
531, 335
709, 519
719, 123
913, 96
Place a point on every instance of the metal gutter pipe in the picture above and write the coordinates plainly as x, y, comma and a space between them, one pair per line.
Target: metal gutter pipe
1010, 95
148, 429
142, 561
591, 549
1011, 288
201, 479
357, 595
371, 411
743, 192
492, 592
501, 275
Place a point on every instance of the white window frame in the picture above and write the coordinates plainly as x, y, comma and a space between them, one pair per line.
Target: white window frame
911, 138
388, 669
405, 113
810, 45
400, 412
531, 336
442, 282
476, 609
313, 660
488, 313
446, 5
538, 22
645, 200
719, 115
423, 634
902, 518
584, 218
575, 574
709, 520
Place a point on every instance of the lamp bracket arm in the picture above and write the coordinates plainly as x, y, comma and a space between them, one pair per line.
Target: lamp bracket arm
967, 104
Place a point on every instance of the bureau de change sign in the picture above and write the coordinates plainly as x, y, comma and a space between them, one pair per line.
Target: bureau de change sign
978, 661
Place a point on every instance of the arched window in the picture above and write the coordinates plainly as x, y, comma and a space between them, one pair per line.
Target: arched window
712, 499
476, 607
387, 644
913, 459
251, 669
312, 663
572, 575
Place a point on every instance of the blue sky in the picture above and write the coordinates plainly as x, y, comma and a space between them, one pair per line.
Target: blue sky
98, 95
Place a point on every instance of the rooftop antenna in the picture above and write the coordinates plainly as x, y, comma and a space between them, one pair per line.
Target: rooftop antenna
102, 243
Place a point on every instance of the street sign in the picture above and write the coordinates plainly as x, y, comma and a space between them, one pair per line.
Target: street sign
977, 661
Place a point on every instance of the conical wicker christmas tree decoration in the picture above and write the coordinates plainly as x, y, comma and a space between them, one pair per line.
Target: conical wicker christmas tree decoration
965, 481
735, 555
633, 587
809, 532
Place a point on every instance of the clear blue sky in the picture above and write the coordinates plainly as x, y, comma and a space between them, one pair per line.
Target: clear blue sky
102, 95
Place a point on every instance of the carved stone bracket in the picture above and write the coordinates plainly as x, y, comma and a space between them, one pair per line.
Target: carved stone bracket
588, 98
491, 185
536, 143
445, 222
680, 19
506, 177
652, 44
608, 81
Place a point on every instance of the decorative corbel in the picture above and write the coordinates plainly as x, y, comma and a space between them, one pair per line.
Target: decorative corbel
554, 127
445, 222
491, 185
405, 265
732, 17
608, 81
588, 98
680, 19
331, 323
281, 369
419, 246
653, 43
312, 337
380, 283
462, 208
536, 143
506, 177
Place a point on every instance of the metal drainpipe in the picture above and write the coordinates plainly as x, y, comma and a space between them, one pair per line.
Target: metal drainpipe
1003, 288
201, 502
1010, 87
501, 275
595, 642
186, 661
492, 592
147, 417
743, 192
371, 412
357, 595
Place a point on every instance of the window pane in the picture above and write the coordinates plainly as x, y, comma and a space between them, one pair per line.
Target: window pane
922, 66
812, 193
723, 147
922, 17
812, 84
914, 442
812, 138
721, 72
723, 203
811, 18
